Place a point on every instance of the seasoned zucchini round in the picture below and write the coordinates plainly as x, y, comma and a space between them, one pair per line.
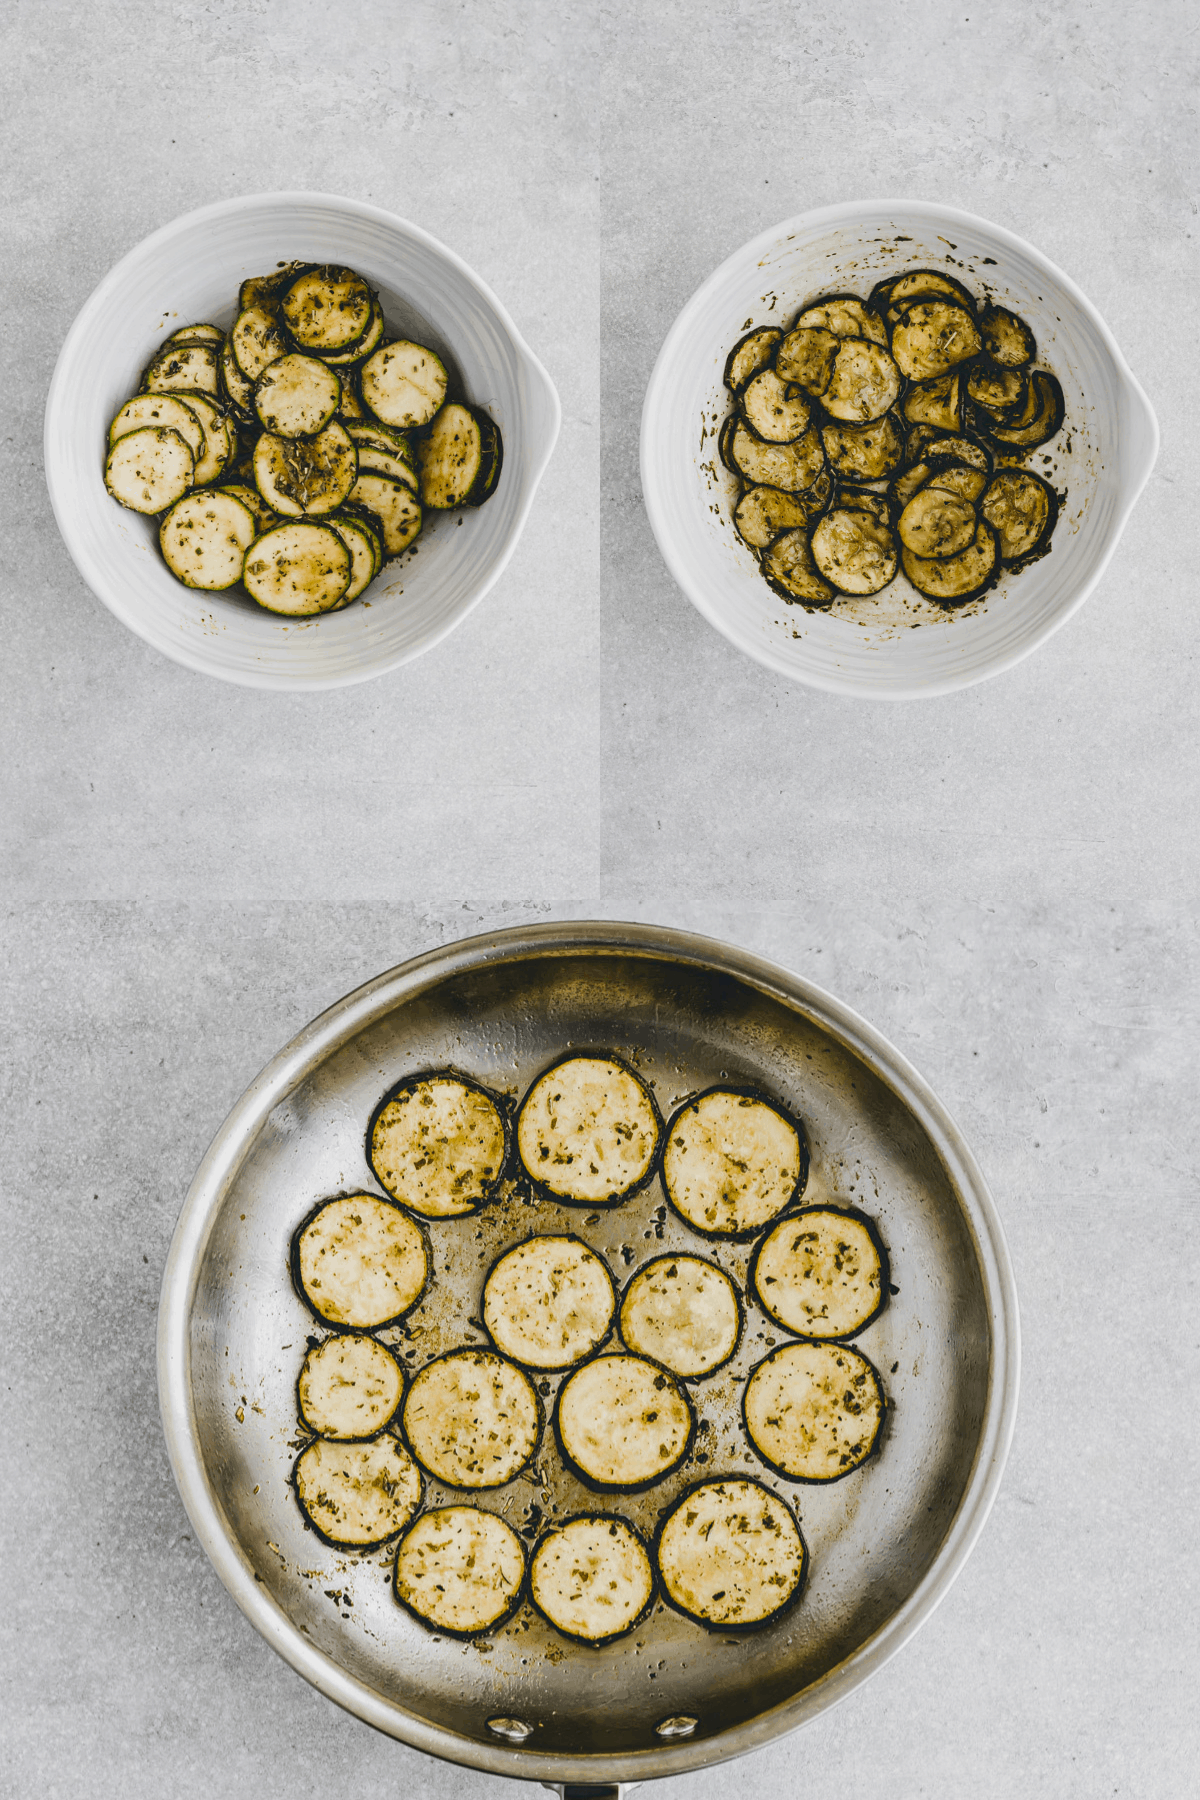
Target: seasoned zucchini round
899, 291
807, 357
383, 437
168, 412
395, 506
999, 391
198, 334
385, 462
1021, 508
458, 459
684, 1313
953, 580
264, 518
355, 1495
204, 538
358, 352
549, 1302
864, 382
957, 479
588, 1131
936, 523
403, 384
763, 512
1046, 404
789, 568
814, 1412
844, 315
864, 452
299, 476
296, 395
438, 1142
297, 568
359, 1261
732, 1162
591, 1578
460, 1570
932, 336
326, 309
181, 366
264, 290
822, 1273
362, 546
937, 402
730, 1555
149, 468
776, 412
257, 340
793, 467
349, 1386
623, 1423
220, 441
472, 1419
750, 354
1006, 338
854, 550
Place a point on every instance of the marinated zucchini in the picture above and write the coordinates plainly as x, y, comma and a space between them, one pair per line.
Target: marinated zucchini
149, 469
460, 1570
349, 1386
355, 1495
813, 1412
588, 1131
549, 1302
296, 395
622, 1423
459, 458
306, 477
205, 536
1021, 508
684, 1313
732, 1162
822, 1273
854, 549
472, 1419
438, 1144
359, 1262
298, 568
730, 1555
591, 1578
404, 384
773, 410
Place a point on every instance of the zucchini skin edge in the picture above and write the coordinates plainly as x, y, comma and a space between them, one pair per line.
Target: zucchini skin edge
564, 1369
738, 1301
627, 1487
541, 1188
819, 1480
885, 1272
793, 1119
612, 1637
780, 1612
294, 1262
500, 1101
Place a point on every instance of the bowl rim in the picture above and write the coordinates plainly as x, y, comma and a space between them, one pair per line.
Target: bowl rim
110, 591
345, 1019
658, 387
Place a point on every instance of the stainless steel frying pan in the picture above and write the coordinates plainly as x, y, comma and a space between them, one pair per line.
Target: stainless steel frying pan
885, 1543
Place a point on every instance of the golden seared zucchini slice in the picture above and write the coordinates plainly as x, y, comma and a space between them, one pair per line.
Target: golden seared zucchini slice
823, 1273
953, 580
956, 478
806, 356
789, 568
730, 1555
1002, 392
864, 452
298, 568
235, 387
178, 367
549, 1302
358, 352
932, 337
864, 383
937, 402
814, 1412
793, 467
1048, 412
623, 1423
220, 439
592, 1578
359, 1262
349, 1386
854, 549
588, 1131
403, 384
438, 1142
258, 339
774, 410
362, 545
167, 412
1006, 338
959, 449
149, 468
472, 1418
296, 395
459, 458
682, 1312
763, 512
326, 309
900, 291
355, 1495
936, 523
394, 504
750, 355
299, 476
204, 539
460, 1570
1022, 509
732, 1162
846, 316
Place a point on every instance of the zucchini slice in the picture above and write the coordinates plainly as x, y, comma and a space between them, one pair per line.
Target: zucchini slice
1048, 416
264, 518
917, 284
472, 1419
844, 315
257, 340
588, 1131
773, 410
953, 580
372, 435
458, 459
168, 412
349, 1387
958, 479
356, 1495
181, 366
763, 512
591, 1578
306, 475
807, 356
296, 396
864, 383
326, 309
370, 523
932, 336
958, 449
822, 1274
372, 461
197, 334
403, 384
682, 1312
1001, 392
358, 352
1006, 338
234, 385
394, 505
750, 355
623, 1423
204, 539
220, 441
936, 523
363, 546
730, 1555
937, 402
864, 452
1022, 509
264, 290
814, 1412
855, 550
732, 1162
352, 410
549, 1302
149, 468
359, 1261
793, 467
460, 1570
438, 1143
297, 568
789, 568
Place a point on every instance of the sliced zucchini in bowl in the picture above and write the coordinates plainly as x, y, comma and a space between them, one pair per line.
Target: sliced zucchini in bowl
953, 580
403, 384
258, 340
813, 1411
295, 396
264, 518
357, 1495
394, 504
936, 523
750, 355
372, 461
459, 458
774, 410
855, 550
326, 309
1048, 413
181, 366
806, 356
549, 1302
298, 476
591, 1578
823, 1273
460, 1570
358, 352
372, 435
937, 402
793, 467
198, 334
864, 382
298, 568
349, 1387
932, 337
732, 1162
472, 1419
204, 539
220, 439
1002, 392
846, 316
790, 570
622, 1423
149, 468
265, 290
684, 1313
763, 513
899, 291
588, 1131
1022, 509
358, 1261
438, 1142
167, 411
965, 482
363, 547
864, 452
236, 388
730, 1555
1006, 338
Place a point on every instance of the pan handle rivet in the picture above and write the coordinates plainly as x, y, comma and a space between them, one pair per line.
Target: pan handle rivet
514, 1730
680, 1725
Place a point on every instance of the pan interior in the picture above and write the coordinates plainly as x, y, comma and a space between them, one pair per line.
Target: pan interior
872, 1536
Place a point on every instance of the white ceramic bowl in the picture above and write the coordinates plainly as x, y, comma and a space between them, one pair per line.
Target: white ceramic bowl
190, 271
1102, 457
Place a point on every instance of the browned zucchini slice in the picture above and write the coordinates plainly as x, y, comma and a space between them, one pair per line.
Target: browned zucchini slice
591, 1578
936, 523
789, 568
622, 1423
300, 476
549, 1302
732, 1162
952, 580
793, 467
814, 1412
1006, 338
1047, 418
1022, 509
373, 435
198, 334
844, 315
958, 479
372, 461
855, 550
807, 357
356, 1495
403, 384
588, 1131
296, 395
149, 468
899, 291
773, 409
349, 1386
937, 402
864, 383
472, 1419
204, 539
864, 452
297, 568
932, 336
1001, 392
326, 309
763, 512
359, 1261
257, 340
395, 506
958, 449
264, 290
178, 367
730, 1555
682, 1312
822, 1273
460, 1570
438, 1143
751, 354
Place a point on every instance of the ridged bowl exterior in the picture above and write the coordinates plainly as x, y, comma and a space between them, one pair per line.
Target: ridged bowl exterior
189, 272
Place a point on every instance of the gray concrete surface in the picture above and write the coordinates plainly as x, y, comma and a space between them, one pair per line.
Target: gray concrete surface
1004, 882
